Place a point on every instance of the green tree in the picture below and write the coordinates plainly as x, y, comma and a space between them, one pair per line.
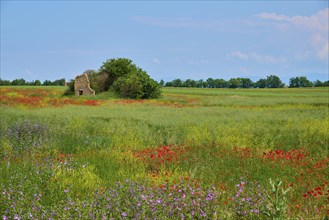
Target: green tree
318, 83
37, 83
137, 85
304, 82
18, 82
162, 83
47, 83
168, 84
220, 83
4, 82
115, 68
261, 83
177, 83
246, 82
274, 82
201, 84
297, 82
234, 83
189, 83
70, 88
210, 82
59, 82
325, 83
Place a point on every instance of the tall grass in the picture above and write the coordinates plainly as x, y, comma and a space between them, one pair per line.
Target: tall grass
216, 137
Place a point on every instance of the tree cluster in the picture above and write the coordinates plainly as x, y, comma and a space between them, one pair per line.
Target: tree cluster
271, 81
124, 78
23, 82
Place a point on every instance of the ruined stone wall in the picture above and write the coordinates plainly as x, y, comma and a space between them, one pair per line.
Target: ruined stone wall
82, 86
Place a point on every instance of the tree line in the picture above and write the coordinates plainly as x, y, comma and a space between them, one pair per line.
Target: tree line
23, 82
271, 81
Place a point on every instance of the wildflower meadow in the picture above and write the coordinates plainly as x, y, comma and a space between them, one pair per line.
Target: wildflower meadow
191, 154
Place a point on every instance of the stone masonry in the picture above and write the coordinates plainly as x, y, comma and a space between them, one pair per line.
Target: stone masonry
82, 86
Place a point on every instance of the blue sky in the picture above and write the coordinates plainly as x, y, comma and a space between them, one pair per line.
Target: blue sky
169, 39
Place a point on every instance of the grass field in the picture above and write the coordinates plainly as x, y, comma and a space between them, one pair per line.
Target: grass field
192, 154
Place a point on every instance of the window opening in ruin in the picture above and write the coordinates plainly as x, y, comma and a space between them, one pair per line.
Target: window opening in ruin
80, 92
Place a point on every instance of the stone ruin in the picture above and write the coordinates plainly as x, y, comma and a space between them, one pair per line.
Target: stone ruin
82, 86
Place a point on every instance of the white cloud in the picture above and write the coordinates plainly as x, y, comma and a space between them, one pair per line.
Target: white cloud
317, 25
240, 55
257, 57
156, 61
273, 16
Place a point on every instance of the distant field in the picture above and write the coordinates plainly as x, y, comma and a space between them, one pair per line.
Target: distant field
193, 153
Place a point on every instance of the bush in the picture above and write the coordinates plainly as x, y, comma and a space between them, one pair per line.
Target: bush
70, 89
116, 68
137, 85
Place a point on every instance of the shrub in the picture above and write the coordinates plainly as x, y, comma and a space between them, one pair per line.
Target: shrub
70, 89
137, 85
116, 68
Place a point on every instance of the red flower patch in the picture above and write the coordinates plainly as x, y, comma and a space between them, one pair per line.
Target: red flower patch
242, 152
162, 155
91, 102
296, 156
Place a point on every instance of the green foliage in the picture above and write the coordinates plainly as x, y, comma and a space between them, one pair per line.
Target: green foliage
271, 81
18, 82
262, 83
128, 80
274, 82
234, 83
37, 83
129, 87
278, 202
177, 83
58, 82
298, 82
116, 68
70, 89
5, 82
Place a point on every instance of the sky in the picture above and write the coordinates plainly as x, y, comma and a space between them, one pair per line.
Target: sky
49, 40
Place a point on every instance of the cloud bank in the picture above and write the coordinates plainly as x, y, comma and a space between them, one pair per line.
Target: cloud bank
317, 25
260, 58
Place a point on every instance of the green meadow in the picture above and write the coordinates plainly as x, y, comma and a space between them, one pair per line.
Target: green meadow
192, 154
